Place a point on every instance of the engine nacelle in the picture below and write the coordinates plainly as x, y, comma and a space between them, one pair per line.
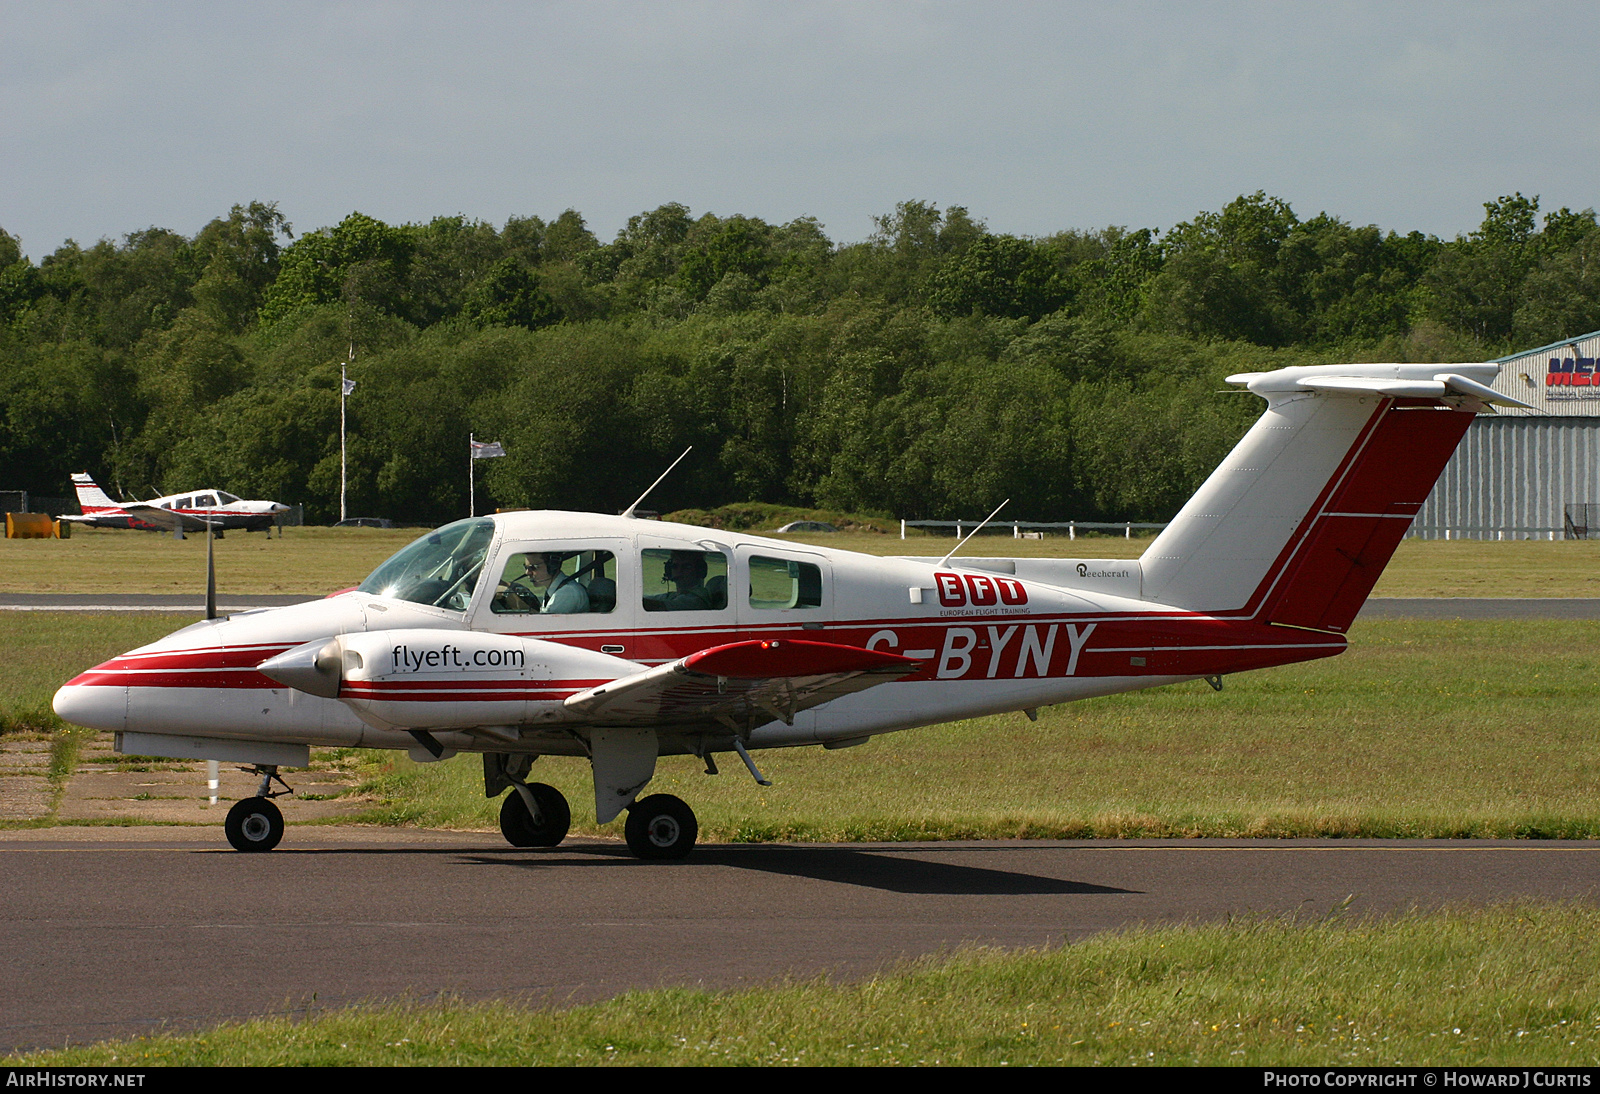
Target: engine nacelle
445, 679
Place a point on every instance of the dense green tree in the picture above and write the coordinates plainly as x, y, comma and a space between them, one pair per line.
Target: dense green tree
509, 295
998, 275
359, 261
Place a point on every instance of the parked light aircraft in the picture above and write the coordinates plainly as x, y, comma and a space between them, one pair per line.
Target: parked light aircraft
618, 639
193, 510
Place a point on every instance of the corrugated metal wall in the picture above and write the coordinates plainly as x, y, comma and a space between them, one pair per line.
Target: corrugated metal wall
1560, 378
1512, 477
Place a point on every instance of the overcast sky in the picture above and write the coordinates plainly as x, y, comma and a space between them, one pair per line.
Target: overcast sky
1035, 116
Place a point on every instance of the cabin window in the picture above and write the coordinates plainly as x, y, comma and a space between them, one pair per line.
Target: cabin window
440, 569
684, 580
784, 583
559, 582
205, 501
226, 498
183, 503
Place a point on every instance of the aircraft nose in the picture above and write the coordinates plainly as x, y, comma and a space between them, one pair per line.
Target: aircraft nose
94, 707
278, 507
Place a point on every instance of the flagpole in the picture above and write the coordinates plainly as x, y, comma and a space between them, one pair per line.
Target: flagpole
472, 486
344, 383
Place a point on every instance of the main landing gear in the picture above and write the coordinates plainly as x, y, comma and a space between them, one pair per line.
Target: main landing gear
661, 827
255, 824
534, 815
658, 827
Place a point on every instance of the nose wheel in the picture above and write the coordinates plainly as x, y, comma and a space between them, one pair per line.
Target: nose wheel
661, 827
254, 824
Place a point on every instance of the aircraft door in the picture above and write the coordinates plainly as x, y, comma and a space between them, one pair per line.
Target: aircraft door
685, 597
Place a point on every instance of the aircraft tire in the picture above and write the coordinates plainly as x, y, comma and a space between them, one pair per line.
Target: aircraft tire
661, 827
254, 824
518, 826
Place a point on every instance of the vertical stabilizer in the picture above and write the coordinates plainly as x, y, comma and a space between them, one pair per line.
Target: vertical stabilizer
91, 498
1301, 517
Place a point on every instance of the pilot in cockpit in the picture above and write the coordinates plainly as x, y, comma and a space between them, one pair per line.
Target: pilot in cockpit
563, 594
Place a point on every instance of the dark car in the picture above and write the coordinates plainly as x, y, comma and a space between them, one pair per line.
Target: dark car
808, 526
365, 522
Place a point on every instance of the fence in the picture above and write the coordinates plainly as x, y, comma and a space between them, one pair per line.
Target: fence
1018, 526
1581, 516
20, 501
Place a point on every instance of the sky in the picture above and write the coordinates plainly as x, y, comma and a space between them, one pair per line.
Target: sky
1037, 117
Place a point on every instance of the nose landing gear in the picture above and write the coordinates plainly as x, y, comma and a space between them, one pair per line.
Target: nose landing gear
255, 824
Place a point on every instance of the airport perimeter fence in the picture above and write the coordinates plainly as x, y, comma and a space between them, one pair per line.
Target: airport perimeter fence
1032, 529
20, 501
1580, 519
1478, 531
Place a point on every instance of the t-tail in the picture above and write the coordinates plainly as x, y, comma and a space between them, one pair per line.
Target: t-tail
91, 499
1300, 519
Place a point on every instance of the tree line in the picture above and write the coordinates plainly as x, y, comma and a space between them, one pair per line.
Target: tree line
929, 371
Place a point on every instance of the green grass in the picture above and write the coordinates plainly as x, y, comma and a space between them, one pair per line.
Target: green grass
43, 650
1514, 985
306, 560
1498, 718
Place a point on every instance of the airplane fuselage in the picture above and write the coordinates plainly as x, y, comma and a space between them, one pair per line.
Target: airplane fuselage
988, 641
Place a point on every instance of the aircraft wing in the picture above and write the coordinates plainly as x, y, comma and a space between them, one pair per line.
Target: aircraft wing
168, 519
741, 685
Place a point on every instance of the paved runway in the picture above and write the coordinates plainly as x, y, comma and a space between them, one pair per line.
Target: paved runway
113, 932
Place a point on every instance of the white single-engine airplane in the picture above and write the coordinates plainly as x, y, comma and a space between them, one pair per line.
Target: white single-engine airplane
192, 511
619, 639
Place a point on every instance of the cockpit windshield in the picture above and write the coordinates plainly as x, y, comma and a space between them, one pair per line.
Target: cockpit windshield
440, 569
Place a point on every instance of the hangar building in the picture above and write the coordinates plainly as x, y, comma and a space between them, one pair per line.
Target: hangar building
1528, 474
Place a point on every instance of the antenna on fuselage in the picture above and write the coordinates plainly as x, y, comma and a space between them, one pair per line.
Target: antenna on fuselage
974, 532
211, 574
628, 512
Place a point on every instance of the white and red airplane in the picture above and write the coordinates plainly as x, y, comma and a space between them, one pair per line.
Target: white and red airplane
193, 511
618, 639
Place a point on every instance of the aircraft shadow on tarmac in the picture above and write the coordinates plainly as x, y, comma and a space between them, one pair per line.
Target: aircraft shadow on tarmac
842, 866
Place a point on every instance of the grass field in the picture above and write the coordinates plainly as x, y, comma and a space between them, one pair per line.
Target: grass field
1508, 986
315, 561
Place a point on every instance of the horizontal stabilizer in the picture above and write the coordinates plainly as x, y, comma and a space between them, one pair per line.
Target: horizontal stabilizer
741, 685
1395, 381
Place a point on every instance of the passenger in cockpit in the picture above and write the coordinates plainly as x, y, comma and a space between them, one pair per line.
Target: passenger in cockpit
686, 572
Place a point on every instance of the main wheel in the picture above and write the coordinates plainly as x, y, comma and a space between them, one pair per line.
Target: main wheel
519, 827
254, 824
661, 827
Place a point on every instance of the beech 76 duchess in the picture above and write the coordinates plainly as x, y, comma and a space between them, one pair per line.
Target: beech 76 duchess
618, 639
192, 511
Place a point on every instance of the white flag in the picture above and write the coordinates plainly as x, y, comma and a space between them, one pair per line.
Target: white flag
486, 450
349, 386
